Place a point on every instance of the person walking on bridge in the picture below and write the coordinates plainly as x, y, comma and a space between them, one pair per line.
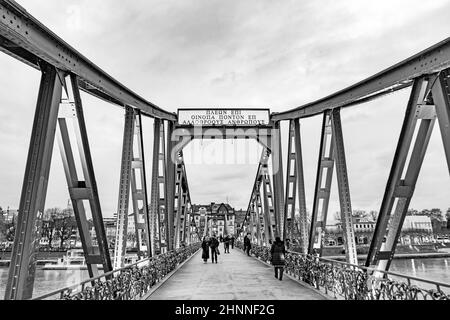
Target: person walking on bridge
214, 245
226, 244
205, 249
277, 252
247, 244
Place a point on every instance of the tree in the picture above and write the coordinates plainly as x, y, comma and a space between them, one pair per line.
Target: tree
412, 212
10, 231
447, 215
359, 213
48, 230
436, 214
373, 215
2, 226
64, 228
48, 224
436, 217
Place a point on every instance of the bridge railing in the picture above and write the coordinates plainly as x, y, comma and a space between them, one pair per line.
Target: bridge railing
128, 283
347, 281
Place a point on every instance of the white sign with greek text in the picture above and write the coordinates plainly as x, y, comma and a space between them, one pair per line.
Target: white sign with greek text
223, 117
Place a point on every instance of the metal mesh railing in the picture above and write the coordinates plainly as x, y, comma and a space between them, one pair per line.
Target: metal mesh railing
129, 283
346, 281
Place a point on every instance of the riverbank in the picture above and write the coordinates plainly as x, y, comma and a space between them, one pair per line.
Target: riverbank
423, 255
416, 251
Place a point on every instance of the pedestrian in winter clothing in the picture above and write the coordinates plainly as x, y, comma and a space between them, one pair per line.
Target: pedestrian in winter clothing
247, 244
226, 244
277, 252
205, 248
214, 245
232, 242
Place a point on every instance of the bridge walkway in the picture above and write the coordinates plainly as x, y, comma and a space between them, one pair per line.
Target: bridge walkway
235, 277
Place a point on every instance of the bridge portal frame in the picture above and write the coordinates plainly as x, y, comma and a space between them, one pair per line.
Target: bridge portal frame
266, 135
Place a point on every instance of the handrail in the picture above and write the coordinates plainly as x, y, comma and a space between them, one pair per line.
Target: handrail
25, 38
103, 275
354, 282
432, 60
131, 282
374, 270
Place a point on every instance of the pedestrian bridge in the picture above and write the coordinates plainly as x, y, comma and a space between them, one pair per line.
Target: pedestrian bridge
167, 233
236, 276
182, 275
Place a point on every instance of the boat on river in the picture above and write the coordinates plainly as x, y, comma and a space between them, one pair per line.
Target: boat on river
74, 260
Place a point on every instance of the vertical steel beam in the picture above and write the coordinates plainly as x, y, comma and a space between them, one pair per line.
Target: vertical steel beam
183, 216
400, 190
187, 205
74, 188
144, 189
170, 187
291, 186
255, 195
325, 163
258, 208
90, 181
34, 189
178, 199
188, 224
124, 189
269, 220
155, 196
303, 222
262, 169
294, 184
162, 221
441, 98
79, 190
252, 222
140, 194
343, 188
277, 173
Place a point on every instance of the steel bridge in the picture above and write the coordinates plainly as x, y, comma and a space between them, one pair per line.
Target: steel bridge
163, 215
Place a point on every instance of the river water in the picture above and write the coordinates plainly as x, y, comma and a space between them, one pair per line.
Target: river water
49, 280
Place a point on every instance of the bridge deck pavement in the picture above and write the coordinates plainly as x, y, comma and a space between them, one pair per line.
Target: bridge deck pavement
235, 277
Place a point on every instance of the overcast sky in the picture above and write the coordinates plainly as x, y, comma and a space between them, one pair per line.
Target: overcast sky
270, 54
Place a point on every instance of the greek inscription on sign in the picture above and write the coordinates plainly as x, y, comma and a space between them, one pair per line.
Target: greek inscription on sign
223, 117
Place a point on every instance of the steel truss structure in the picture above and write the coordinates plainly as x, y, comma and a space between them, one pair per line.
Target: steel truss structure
295, 183
132, 176
166, 222
331, 154
259, 219
34, 190
183, 204
158, 202
429, 100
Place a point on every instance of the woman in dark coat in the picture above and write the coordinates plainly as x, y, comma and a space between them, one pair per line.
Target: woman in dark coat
205, 248
278, 251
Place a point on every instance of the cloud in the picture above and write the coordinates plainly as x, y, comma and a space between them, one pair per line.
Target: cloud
228, 53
